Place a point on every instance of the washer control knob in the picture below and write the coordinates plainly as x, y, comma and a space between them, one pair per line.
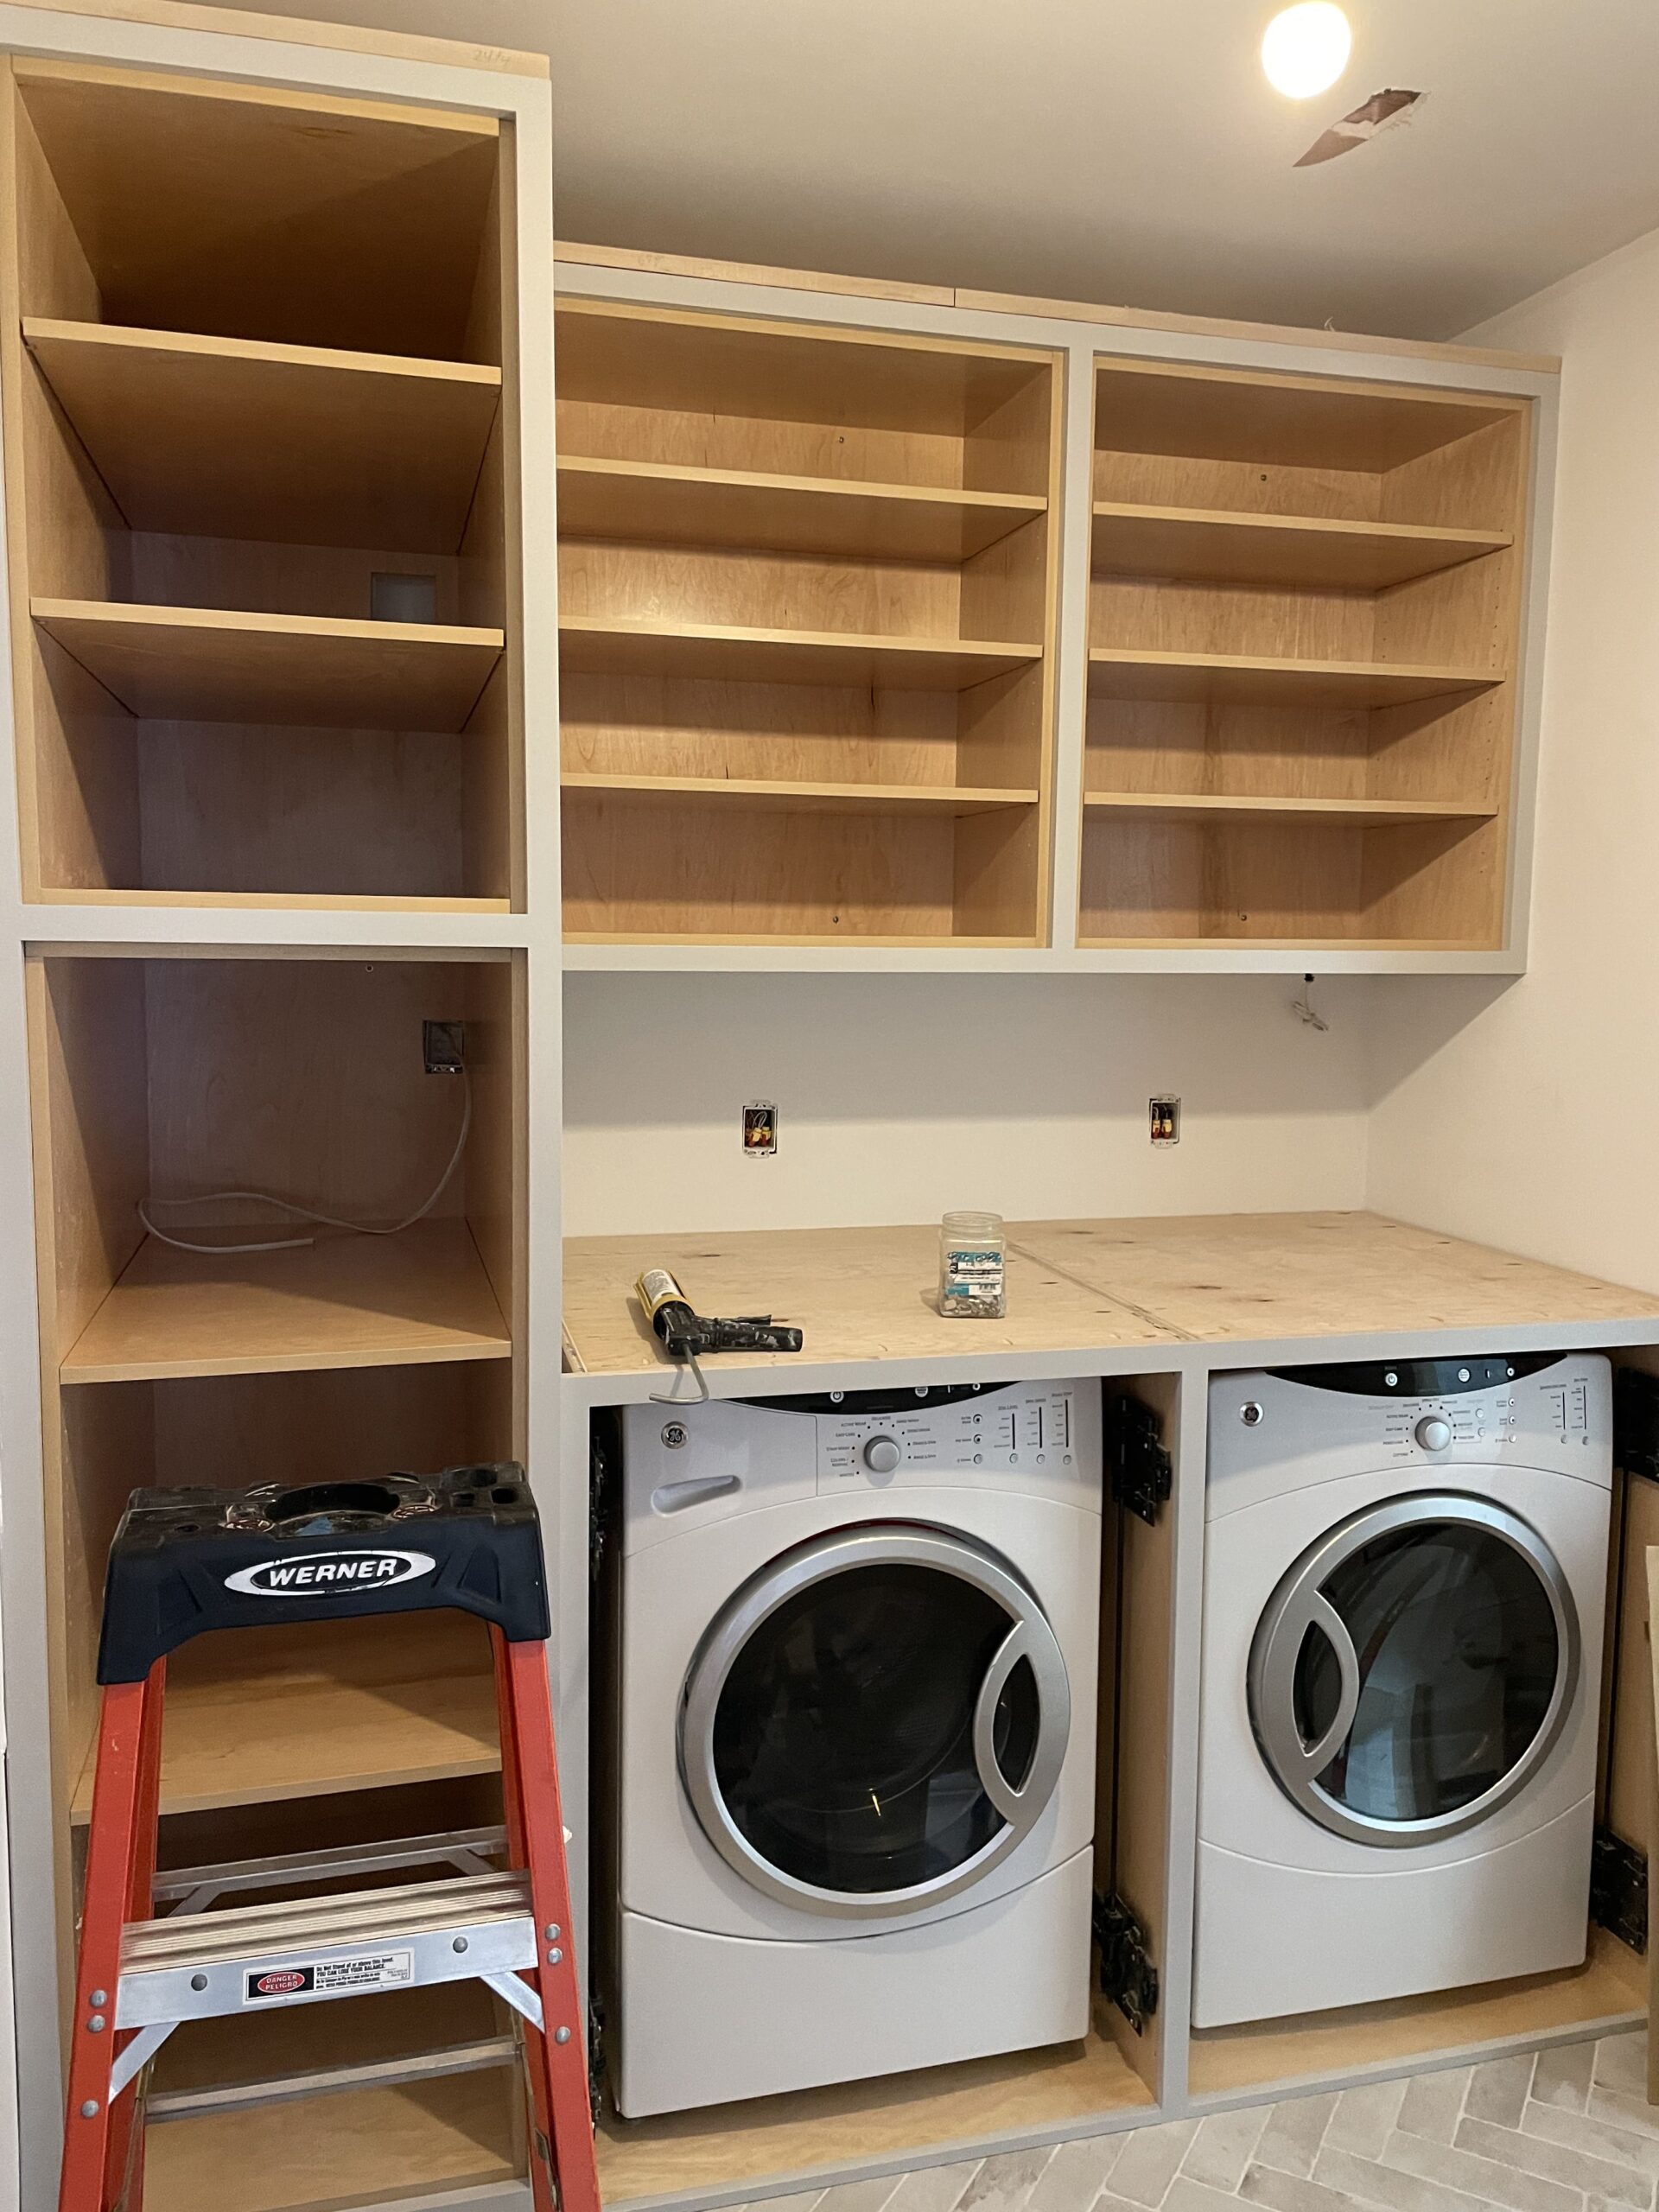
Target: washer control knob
1433, 1434
881, 1455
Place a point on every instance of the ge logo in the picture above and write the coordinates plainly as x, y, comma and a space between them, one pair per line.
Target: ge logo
674, 1436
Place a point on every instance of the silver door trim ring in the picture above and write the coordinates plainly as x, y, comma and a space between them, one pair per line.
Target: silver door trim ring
1298, 1607
819, 1560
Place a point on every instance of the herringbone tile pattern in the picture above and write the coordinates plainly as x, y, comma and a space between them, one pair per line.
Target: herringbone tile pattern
1568, 2130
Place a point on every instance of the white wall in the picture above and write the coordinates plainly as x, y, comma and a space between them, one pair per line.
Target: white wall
899, 1096
1528, 1116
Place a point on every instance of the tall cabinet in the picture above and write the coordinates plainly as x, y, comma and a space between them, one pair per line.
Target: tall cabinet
277, 395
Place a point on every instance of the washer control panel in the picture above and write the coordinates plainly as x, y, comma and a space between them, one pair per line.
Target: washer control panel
1033, 1430
1270, 1431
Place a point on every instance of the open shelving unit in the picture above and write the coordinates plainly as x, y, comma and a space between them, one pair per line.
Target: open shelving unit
807, 583
1304, 635
168, 1077
251, 426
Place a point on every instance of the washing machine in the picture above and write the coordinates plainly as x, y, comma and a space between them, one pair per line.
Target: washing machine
1405, 1570
854, 1772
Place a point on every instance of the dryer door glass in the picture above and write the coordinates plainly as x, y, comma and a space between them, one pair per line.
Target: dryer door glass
875, 1721
1414, 1668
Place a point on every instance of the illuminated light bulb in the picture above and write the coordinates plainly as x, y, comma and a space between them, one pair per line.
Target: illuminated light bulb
1306, 48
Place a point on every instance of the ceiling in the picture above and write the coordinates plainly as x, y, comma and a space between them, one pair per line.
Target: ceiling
1077, 148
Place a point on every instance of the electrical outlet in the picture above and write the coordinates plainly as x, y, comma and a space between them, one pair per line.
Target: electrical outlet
1164, 1120
443, 1045
759, 1130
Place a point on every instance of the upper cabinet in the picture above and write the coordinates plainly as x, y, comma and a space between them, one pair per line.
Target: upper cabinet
257, 397
1304, 605
807, 587
952, 639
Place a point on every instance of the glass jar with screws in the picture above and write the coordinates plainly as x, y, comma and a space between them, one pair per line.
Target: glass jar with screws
973, 1270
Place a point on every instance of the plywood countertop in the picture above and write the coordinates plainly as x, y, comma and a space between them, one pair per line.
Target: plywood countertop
1189, 1280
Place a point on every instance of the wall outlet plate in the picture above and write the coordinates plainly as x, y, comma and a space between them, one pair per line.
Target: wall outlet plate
443, 1046
759, 1130
1164, 1120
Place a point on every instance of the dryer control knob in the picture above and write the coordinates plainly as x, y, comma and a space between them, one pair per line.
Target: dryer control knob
1433, 1434
881, 1455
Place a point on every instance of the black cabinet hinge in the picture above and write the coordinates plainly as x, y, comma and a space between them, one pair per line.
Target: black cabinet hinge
1142, 1471
1618, 1890
604, 1470
1636, 1422
596, 2058
1126, 1973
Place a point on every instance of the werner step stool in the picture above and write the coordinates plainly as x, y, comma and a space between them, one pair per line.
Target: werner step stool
185, 1562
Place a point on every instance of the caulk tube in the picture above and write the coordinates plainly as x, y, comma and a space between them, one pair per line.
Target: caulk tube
666, 1305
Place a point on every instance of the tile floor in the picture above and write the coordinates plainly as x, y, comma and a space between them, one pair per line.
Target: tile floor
1568, 2130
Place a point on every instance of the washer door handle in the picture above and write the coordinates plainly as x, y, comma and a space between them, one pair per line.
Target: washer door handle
1297, 1760
1323, 1616
1030, 1639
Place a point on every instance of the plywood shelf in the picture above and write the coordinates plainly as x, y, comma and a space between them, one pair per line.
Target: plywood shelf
1322, 553
258, 1715
224, 438
344, 1301
1281, 420
204, 665
762, 2143
281, 901
1610, 1986
658, 502
1201, 807
796, 797
602, 644
1124, 672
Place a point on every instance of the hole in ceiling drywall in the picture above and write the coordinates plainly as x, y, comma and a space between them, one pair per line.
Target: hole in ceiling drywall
1381, 112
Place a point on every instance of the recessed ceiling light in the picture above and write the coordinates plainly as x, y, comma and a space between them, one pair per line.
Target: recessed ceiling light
1306, 48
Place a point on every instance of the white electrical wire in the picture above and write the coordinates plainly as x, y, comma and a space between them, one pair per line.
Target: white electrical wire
309, 1213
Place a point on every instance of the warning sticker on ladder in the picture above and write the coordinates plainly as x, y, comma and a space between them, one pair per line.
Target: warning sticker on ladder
346, 1976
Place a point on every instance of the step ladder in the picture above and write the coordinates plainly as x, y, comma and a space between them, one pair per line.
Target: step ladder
156, 1952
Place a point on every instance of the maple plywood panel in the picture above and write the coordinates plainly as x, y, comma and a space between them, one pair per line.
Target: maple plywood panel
764, 445
662, 504
1291, 420
1439, 884
1179, 878
768, 591
245, 212
766, 2142
166, 662
269, 577
1163, 616
1164, 745
680, 361
344, 1301
349, 2149
694, 870
292, 812
336, 1424
618, 645
731, 793
1143, 673
829, 732
1246, 487
221, 437
1224, 1278
1309, 552
857, 1294
1608, 1986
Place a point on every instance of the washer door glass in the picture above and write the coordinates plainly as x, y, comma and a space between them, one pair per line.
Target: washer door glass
1414, 1668
875, 1721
